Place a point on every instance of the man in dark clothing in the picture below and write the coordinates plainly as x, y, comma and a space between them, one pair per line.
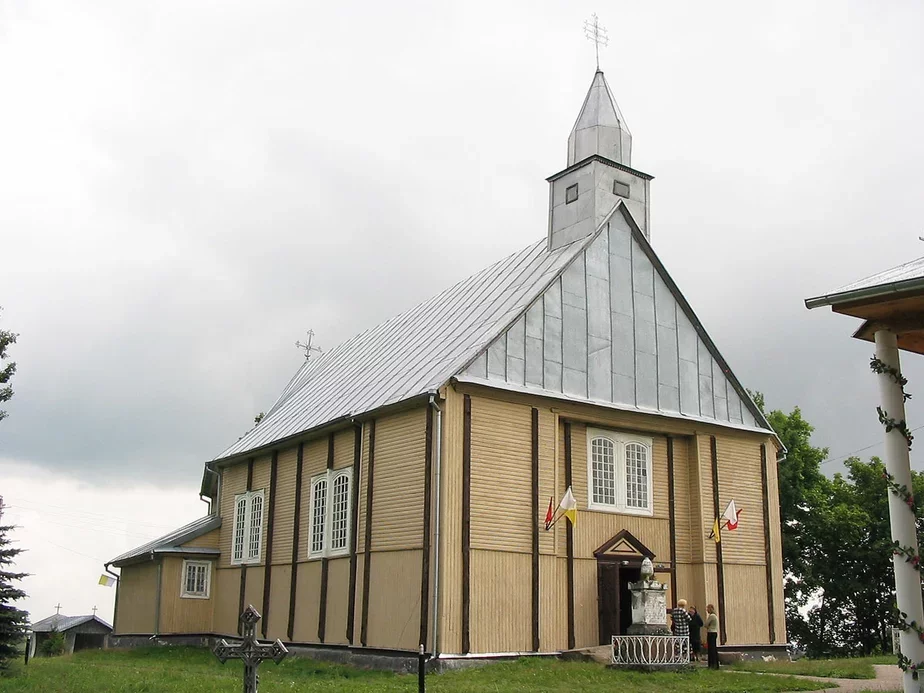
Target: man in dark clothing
696, 622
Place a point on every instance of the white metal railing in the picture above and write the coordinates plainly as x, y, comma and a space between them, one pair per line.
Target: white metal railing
651, 650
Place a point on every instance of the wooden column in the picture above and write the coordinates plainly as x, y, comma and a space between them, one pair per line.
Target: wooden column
569, 541
719, 567
534, 474
672, 517
427, 507
367, 549
295, 539
325, 568
354, 527
768, 556
268, 553
240, 600
466, 522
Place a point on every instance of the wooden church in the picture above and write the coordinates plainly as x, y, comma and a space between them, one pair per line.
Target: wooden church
396, 492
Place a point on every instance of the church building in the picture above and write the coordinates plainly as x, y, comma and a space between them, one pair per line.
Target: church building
396, 492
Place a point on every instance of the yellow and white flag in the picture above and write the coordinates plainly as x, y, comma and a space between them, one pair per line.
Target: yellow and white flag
568, 506
106, 581
715, 533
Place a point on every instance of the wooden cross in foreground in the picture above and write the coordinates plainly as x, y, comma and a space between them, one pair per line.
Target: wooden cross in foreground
250, 650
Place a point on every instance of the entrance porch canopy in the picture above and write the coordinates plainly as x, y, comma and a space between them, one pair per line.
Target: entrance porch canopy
891, 305
892, 300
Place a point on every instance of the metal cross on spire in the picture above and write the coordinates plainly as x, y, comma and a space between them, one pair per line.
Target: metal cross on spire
308, 346
58, 609
596, 33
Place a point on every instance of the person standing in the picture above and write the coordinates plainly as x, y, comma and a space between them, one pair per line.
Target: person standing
712, 637
696, 622
680, 619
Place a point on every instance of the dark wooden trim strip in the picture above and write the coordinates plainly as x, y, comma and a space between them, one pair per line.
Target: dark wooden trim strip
672, 517
427, 509
268, 553
466, 522
534, 473
719, 566
240, 600
325, 567
296, 526
367, 561
354, 525
569, 540
764, 483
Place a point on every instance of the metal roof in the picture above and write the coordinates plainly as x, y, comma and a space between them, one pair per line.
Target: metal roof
411, 354
61, 623
907, 276
173, 542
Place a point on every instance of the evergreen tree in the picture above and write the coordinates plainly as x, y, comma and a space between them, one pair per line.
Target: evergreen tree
6, 372
13, 621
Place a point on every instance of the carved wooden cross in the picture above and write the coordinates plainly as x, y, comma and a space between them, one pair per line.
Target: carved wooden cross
250, 650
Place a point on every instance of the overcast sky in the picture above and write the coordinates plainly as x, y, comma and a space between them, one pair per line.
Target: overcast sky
186, 187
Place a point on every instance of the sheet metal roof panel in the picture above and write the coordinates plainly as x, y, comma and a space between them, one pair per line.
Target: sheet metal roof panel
61, 623
412, 353
903, 277
174, 539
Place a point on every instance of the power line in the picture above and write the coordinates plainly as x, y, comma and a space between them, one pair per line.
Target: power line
854, 452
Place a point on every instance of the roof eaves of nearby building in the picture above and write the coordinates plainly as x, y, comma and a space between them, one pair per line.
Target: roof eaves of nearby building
905, 278
602, 160
62, 623
172, 542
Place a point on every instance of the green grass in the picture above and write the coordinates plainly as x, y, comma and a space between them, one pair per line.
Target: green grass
187, 670
852, 668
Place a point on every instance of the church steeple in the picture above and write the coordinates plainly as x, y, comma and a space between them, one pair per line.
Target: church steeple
599, 174
600, 128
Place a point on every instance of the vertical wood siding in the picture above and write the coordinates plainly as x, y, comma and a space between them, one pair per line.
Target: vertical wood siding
306, 610
553, 614
740, 479
227, 583
179, 615
776, 547
314, 461
746, 604
394, 602
501, 615
210, 540
137, 591
682, 499
279, 601
338, 583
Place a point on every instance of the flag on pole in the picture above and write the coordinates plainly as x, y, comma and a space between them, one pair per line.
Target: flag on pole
549, 515
568, 506
714, 534
731, 515
106, 581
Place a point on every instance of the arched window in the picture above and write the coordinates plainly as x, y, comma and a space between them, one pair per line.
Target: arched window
619, 472
318, 514
247, 542
603, 475
636, 476
339, 527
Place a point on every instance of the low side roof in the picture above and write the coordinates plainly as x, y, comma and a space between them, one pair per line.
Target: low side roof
411, 354
61, 623
173, 542
906, 277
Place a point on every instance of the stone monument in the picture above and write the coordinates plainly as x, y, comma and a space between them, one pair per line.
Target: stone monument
649, 604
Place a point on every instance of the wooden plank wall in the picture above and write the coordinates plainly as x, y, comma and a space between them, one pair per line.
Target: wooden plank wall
396, 546
501, 509
137, 587
179, 615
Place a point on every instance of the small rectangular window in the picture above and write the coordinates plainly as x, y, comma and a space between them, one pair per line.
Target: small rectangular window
620, 188
196, 579
571, 194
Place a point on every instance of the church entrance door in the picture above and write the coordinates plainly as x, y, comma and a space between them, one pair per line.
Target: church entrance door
614, 600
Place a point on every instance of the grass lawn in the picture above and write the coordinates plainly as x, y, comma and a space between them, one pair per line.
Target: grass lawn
852, 668
187, 670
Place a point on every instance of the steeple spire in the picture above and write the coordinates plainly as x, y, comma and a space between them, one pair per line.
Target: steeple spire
600, 128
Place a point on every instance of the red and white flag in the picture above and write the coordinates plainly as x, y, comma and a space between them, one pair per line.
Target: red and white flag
731, 515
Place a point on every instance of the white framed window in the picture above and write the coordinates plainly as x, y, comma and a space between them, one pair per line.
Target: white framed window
247, 543
329, 519
197, 579
619, 472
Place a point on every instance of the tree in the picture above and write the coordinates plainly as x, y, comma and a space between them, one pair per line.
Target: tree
6, 372
13, 621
